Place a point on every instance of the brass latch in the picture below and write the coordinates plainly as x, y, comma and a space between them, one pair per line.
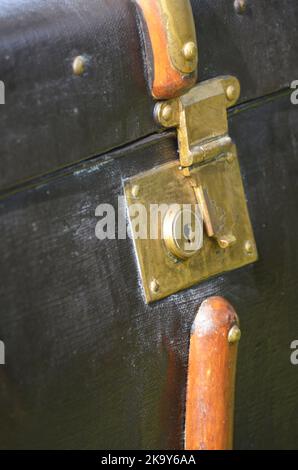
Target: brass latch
203, 189
189, 218
201, 120
200, 117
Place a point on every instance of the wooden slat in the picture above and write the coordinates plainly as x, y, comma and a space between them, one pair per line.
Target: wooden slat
166, 82
211, 377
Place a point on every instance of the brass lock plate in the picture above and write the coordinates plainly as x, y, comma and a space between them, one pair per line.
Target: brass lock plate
163, 270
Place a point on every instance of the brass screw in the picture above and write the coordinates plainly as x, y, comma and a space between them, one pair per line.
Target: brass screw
78, 65
240, 6
135, 190
167, 113
231, 93
154, 286
234, 335
248, 247
189, 51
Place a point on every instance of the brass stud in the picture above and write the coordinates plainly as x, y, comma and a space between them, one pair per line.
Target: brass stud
189, 51
227, 241
234, 335
154, 286
167, 113
240, 6
79, 65
248, 247
230, 157
186, 172
231, 93
135, 190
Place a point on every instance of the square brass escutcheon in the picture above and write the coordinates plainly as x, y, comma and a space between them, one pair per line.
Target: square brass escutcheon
162, 272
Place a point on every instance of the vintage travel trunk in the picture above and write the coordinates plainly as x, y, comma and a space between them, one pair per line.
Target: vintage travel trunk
109, 103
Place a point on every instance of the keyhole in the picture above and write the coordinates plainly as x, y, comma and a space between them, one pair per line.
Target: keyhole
188, 233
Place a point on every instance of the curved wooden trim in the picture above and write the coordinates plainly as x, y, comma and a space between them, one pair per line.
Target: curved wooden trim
167, 82
211, 377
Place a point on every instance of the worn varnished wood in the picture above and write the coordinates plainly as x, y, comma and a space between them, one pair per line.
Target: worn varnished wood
211, 372
53, 118
88, 364
164, 80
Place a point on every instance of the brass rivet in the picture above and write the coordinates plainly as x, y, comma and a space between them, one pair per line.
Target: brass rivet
248, 247
78, 65
227, 241
186, 172
231, 93
154, 286
230, 157
234, 335
223, 243
189, 50
167, 113
240, 6
135, 190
